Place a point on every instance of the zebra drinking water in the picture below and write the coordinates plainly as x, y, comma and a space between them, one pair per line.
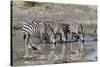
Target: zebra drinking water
76, 32
35, 28
50, 32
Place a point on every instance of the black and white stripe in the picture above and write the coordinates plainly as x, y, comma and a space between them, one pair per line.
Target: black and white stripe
27, 28
75, 31
37, 28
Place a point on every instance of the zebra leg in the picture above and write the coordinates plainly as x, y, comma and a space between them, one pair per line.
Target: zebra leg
47, 38
26, 46
69, 37
72, 34
32, 45
41, 38
63, 37
81, 37
53, 40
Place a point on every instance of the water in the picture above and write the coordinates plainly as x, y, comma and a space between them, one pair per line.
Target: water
18, 51
91, 46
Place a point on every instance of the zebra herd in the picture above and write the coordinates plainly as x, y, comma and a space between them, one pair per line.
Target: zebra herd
50, 32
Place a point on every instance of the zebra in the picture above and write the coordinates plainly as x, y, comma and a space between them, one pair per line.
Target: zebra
35, 28
58, 30
67, 32
75, 32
